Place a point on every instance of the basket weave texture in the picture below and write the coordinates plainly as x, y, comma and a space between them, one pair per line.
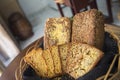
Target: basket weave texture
115, 34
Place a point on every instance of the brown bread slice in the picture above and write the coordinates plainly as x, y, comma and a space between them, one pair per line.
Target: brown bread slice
57, 31
56, 60
49, 62
35, 59
81, 59
88, 27
63, 50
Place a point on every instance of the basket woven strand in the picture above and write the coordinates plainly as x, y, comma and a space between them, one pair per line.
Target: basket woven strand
115, 33
116, 76
102, 77
19, 71
111, 66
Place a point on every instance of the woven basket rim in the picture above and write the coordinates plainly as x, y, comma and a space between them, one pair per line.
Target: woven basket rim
19, 71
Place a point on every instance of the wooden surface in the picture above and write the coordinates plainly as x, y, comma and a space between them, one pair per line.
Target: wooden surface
9, 73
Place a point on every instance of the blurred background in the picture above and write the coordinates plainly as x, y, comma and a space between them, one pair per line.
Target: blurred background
22, 21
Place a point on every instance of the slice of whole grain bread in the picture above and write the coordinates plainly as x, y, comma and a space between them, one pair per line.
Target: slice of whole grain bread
35, 59
56, 60
81, 59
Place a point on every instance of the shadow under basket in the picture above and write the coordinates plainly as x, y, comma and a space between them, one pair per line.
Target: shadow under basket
106, 69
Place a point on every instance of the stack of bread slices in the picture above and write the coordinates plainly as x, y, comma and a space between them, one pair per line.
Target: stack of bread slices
72, 47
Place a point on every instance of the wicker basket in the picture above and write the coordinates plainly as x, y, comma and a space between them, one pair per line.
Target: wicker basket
112, 30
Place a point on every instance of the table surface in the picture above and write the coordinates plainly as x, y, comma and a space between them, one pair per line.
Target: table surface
9, 73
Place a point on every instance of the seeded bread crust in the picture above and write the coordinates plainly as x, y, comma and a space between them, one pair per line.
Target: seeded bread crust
88, 27
81, 59
57, 31
56, 60
49, 62
63, 51
35, 59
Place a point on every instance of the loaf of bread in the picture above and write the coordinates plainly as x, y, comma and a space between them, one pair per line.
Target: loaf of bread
49, 62
81, 59
56, 60
57, 31
60, 55
46, 63
35, 59
63, 51
76, 59
88, 27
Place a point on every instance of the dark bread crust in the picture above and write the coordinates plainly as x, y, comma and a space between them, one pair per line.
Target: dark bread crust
88, 27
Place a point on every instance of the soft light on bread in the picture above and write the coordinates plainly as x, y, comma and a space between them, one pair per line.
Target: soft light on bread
63, 51
56, 60
49, 62
46, 63
57, 31
88, 27
81, 59
35, 59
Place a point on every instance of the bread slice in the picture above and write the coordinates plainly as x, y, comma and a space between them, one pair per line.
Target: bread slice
56, 60
57, 31
63, 50
81, 59
35, 59
88, 27
49, 62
